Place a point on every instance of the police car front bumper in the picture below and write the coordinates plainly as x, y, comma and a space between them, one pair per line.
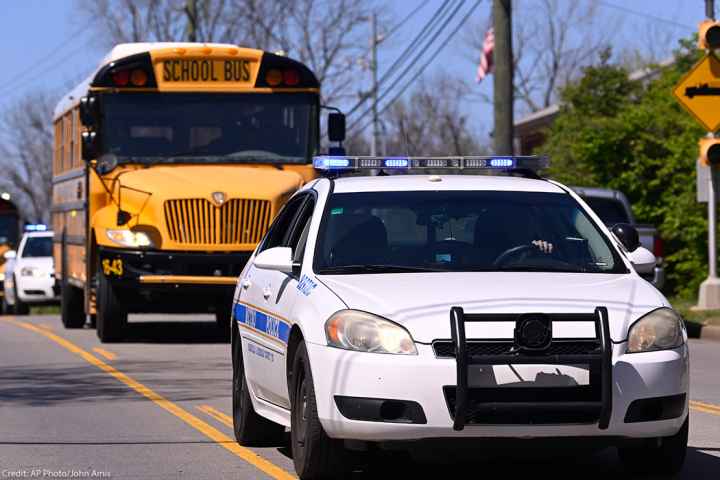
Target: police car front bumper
658, 380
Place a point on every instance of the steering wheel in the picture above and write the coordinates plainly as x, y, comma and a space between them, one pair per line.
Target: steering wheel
512, 252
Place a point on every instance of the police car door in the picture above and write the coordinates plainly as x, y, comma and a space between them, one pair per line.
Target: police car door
267, 301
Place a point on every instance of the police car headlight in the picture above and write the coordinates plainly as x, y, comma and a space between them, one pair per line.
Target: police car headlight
128, 238
30, 272
365, 332
660, 329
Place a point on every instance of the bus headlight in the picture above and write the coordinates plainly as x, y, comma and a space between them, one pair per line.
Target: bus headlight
661, 329
129, 238
365, 332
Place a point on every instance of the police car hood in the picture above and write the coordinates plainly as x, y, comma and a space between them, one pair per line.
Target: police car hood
421, 302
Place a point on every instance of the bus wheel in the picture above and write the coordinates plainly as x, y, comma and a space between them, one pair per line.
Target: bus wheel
111, 316
20, 307
72, 308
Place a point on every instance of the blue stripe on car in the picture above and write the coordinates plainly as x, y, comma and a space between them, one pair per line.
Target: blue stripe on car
262, 322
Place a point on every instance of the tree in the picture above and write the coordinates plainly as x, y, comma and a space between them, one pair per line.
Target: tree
552, 41
429, 122
633, 136
328, 35
26, 155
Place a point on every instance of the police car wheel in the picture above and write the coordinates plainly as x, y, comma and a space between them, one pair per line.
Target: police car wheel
20, 307
664, 455
111, 316
315, 454
250, 428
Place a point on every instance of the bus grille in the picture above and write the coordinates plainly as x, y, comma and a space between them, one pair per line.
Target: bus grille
198, 221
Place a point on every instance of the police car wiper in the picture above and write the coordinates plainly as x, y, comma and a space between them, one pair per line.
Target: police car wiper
379, 268
535, 268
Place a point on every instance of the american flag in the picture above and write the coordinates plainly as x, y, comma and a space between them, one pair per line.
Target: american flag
485, 67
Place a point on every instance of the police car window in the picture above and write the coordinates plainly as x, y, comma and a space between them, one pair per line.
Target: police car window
460, 231
280, 228
37, 247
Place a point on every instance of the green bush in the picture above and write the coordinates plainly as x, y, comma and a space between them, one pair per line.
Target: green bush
633, 136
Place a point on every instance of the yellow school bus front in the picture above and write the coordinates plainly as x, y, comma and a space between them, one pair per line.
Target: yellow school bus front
196, 149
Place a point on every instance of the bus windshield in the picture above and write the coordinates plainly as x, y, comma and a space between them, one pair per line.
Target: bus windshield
209, 127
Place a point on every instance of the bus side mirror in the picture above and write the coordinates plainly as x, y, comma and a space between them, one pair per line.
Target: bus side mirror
89, 146
88, 111
336, 127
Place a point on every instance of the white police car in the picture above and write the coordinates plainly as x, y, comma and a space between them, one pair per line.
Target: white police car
386, 309
29, 279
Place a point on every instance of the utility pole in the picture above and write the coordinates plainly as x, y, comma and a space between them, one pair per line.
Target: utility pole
503, 77
374, 91
710, 9
191, 12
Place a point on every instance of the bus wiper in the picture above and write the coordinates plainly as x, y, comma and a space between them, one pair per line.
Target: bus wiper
377, 268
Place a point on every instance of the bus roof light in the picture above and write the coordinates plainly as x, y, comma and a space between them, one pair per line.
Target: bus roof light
273, 77
121, 78
291, 77
138, 77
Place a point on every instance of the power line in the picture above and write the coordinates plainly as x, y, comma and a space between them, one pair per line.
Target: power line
407, 52
403, 21
20, 75
424, 66
420, 55
644, 15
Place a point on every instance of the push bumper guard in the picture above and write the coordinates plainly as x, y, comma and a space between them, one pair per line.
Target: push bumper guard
534, 405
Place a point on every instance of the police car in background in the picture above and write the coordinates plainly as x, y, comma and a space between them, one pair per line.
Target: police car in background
380, 311
29, 277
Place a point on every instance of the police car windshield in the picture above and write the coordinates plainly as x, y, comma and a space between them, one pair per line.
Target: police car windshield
460, 231
37, 247
209, 127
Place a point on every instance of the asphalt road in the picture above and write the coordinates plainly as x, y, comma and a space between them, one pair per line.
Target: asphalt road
158, 407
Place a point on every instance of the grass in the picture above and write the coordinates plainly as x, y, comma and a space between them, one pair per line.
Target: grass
695, 320
45, 310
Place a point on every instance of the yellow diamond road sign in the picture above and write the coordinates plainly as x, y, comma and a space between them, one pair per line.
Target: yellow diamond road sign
699, 92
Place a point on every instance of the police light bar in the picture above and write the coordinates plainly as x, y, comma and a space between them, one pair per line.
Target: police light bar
348, 163
35, 227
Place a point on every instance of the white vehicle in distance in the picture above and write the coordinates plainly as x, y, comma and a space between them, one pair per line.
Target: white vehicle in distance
383, 311
31, 279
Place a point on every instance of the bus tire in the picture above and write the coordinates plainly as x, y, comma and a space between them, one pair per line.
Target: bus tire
111, 316
72, 308
250, 428
20, 307
315, 455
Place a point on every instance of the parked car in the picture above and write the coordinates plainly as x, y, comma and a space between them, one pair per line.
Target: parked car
613, 207
29, 279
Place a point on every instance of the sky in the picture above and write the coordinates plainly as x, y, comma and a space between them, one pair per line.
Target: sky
44, 45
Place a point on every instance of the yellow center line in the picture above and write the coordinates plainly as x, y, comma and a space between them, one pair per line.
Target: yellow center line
705, 407
205, 428
216, 414
46, 327
105, 353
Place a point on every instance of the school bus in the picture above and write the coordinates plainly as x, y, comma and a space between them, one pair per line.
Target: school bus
170, 161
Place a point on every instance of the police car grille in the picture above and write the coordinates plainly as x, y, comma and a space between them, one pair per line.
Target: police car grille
198, 221
446, 349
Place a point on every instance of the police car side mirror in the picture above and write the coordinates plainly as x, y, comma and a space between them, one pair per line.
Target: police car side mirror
10, 254
627, 234
643, 260
276, 258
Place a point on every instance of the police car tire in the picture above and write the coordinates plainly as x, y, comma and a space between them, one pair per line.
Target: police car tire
20, 307
111, 316
665, 457
250, 429
316, 456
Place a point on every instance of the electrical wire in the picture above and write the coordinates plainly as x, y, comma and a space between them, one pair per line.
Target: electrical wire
423, 67
644, 15
407, 52
418, 57
403, 21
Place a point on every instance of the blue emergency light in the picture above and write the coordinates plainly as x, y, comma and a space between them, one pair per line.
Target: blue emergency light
35, 227
330, 163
